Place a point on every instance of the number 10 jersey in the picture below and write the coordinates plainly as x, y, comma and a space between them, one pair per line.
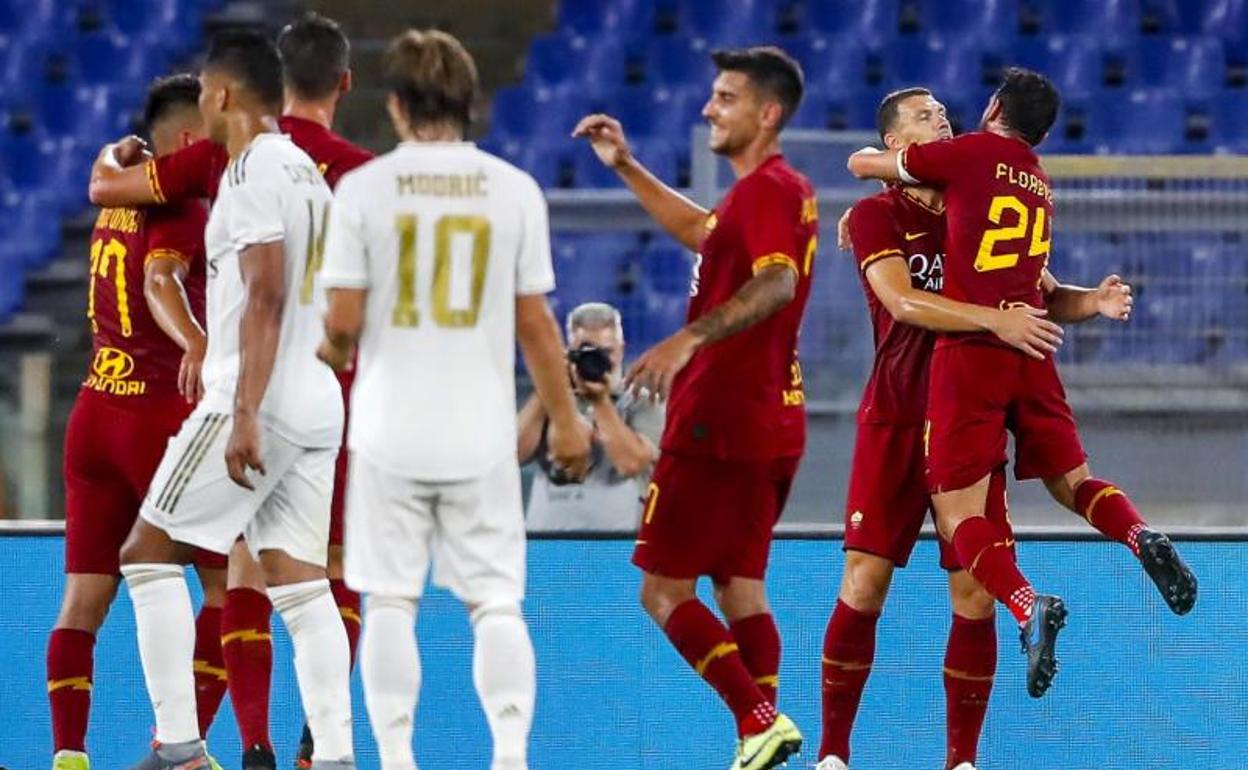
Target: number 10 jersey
443, 237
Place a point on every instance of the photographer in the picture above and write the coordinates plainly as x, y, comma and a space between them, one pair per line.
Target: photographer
626, 434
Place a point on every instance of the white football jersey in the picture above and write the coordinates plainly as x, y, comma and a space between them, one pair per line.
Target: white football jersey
443, 236
272, 192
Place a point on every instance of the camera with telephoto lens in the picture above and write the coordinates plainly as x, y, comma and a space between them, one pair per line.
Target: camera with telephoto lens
592, 363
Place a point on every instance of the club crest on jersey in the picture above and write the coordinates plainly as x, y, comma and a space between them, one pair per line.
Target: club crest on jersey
927, 272
855, 519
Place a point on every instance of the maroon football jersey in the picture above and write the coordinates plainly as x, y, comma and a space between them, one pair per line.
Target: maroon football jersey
999, 217
741, 398
895, 225
195, 171
131, 355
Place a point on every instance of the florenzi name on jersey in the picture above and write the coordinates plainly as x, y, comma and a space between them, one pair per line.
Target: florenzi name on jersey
1029, 182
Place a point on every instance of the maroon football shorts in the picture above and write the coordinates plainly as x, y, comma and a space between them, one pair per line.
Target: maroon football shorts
112, 449
704, 516
888, 498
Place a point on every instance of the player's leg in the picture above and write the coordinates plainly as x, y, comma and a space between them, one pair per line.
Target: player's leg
247, 648
290, 533
970, 665
479, 554
210, 675
191, 503
743, 603
387, 547
1107, 507
99, 510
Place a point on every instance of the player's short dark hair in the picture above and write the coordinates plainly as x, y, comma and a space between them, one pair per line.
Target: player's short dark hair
251, 58
433, 76
315, 55
887, 113
774, 72
1029, 103
169, 95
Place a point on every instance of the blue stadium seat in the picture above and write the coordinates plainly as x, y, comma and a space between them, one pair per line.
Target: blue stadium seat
1074, 63
720, 23
1143, 123
988, 21
1228, 20
648, 111
1195, 67
27, 18
667, 268
662, 157
1171, 17
815, 53
874, 22
33, 227
847, 71
1229, 124
1108, 19
675, 61
556, 59
547, 112
937, 62
548, 161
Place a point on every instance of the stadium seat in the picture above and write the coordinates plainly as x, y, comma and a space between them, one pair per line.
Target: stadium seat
1108, 19
1143, 123
1075, 63
675, 61
936, 62
874, 22
990, 22
548, 161
1229, 123
1195, 67
1171, 17
719, 23
32, 227
667, 268
648, 111
847, 72
546, 112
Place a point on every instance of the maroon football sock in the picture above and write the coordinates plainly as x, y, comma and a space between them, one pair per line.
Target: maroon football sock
348, 602
71, 664
848, 652
1107, 508
247, 646
759, 643
210, 680
970, 663
707, 646
984, 551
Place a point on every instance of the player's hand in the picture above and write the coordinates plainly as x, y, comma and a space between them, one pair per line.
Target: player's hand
1026, 328
1113, 299
606, 136
659, 365
190, 373
842, 231
242, 451
338, 359
569, 448
129, 151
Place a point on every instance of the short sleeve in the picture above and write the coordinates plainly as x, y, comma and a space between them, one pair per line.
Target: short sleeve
873, 233
772, 223
192, 172
176, 232
937, 163
346, 256
535, 274
255, 213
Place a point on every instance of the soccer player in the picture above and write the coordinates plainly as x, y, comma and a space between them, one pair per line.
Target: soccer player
268, 407
736, 420
145, 304
897, 238
438, 254
316, 73
999, 210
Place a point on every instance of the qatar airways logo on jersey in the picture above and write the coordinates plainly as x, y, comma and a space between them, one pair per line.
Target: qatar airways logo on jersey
927, 272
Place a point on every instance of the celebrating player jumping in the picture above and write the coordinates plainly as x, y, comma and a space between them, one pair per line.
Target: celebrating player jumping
999, 209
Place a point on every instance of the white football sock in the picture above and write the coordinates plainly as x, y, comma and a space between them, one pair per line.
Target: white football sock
390, 667
322, 663
165, 626
505, 674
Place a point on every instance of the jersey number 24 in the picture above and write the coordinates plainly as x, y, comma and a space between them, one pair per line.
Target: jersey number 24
986, 259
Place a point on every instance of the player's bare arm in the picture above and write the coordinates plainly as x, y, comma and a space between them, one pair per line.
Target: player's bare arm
529, 424
870, 163
683, 219
540, 343
344, 322
759, 298
118, 176
1023, 327
262, 267
165, 292
1112, 299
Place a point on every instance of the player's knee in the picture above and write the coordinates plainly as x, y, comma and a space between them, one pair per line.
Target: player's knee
1062, 488
501, 608
864, 585
660, 598
86, 604
969, 599
377, 603
740, 598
